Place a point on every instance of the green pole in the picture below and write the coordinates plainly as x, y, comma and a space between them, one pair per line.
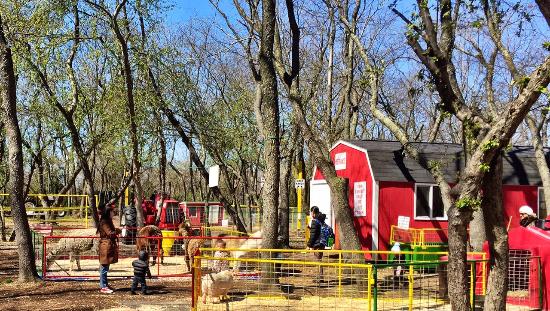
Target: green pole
375, 289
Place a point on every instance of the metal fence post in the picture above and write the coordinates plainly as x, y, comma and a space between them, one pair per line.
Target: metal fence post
375, 289
473, 285
44, 257
411, 286
339, 274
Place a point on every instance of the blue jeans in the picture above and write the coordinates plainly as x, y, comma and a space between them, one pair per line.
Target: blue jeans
139, 280
103, 269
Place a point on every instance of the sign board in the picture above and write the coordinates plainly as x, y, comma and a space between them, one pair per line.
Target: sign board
403, 222
213, 214
360, 199
225, 222
340, 161
299, 183
213, 176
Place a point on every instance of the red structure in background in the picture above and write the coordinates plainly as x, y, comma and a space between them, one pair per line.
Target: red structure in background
383, 184
202, 213
537, 243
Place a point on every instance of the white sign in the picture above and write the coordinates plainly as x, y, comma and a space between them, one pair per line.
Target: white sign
360, 199
340, 161
213, 214
225, 222
213, 176
299, 183
403, 222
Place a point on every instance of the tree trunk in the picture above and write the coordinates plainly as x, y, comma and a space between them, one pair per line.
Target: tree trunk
130, 106
284, 197
27, 265
162, 157
496, 233
477, 231
540, 159
194, 156
270, 130
338, 186
457, 269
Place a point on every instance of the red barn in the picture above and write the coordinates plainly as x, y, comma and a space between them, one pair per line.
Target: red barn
384, 184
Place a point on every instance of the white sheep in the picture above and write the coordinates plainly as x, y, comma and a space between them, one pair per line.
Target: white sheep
216, 285
254, 242
73, 246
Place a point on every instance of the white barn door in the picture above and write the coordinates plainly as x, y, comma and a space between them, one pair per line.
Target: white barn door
319, 195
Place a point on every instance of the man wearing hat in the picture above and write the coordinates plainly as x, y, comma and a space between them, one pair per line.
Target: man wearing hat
527, 216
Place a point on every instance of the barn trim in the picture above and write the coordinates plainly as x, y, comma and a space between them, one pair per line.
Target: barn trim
374, 232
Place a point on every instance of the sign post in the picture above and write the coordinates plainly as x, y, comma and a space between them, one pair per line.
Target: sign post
299, 184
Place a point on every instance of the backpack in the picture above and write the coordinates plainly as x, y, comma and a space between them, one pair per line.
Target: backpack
326, 237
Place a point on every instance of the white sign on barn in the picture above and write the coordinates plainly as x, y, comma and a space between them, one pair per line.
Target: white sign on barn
360, 199
340, 161
403, 222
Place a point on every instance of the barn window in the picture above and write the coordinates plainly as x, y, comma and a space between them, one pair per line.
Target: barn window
542, 214
428, 202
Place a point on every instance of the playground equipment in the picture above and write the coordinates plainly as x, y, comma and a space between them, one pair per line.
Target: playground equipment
423, 242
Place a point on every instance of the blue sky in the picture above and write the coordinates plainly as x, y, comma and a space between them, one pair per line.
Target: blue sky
184, 10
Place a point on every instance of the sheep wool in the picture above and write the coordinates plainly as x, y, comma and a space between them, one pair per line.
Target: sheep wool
74, 247
216, 285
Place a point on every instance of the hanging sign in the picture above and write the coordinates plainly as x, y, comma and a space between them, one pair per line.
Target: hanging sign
213, 176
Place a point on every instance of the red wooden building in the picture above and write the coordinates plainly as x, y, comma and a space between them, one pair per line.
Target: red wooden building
384, 184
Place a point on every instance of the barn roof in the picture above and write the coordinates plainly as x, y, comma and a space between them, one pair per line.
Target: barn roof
389, 163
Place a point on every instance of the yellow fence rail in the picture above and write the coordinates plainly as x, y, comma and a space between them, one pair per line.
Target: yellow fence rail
68, 204
288, 278
423, 237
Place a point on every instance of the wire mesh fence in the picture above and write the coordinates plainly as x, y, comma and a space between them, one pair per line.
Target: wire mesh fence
314, 280
75, 254
291, 279
524, 280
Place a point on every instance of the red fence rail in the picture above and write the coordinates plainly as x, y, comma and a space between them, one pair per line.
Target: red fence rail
76, 256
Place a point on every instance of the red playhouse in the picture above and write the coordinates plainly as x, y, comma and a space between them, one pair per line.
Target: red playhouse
384, 184
202, 213
529, 267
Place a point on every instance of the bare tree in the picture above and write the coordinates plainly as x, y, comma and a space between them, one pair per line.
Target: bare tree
434, 47
122, 39
537, 126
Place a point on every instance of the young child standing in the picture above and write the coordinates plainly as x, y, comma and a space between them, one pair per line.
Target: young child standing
141, 269
220, 265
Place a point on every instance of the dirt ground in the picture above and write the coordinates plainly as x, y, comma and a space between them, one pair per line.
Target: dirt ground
166, 295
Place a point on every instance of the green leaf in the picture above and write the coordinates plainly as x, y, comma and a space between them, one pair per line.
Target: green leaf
468, 204
489, 145
477, 24
484, 167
